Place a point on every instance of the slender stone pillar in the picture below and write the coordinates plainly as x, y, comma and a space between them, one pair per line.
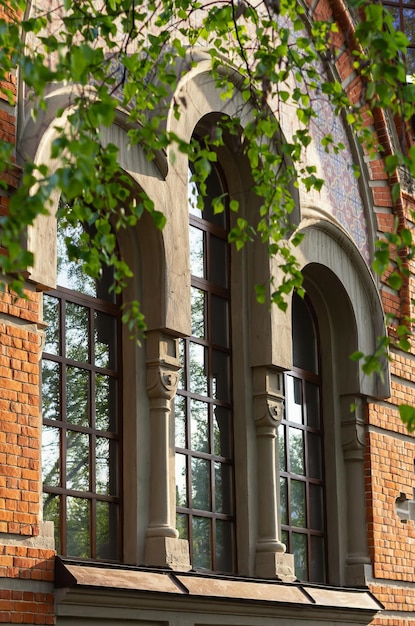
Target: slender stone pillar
271, 559
163, 547
353, 442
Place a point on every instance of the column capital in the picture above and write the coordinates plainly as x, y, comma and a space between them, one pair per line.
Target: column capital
268, 397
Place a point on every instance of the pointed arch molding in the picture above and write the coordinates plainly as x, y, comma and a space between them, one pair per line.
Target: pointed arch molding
327, 246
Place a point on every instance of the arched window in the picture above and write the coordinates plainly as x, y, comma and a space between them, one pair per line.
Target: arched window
81, 395
302, 494
203, 406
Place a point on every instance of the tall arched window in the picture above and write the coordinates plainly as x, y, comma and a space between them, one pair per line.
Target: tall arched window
203, 405
302, 494
81, 395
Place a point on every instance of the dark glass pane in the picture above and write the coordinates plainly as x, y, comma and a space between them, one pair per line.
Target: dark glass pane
197, 257
201, 488
105, 403
224, 546
51, 456
223, 488
105, 340
214, 189
77, 526
282, 448
316, 521
51, 317
315, 457
77, 343
283, 500
202, 542
103, 458
410, 61
221, 376
218, 272
318, 567
50, 390
304, 336
296, 451
197, 365
77, 405
199, 426
299, 548
312, 396
181, 480
51, 513
193, 197
181, 525
294, 399
77, 461
219, 327
298, 503
107, 530
198, 312
394, 11
284, 538
222, 439
180, 421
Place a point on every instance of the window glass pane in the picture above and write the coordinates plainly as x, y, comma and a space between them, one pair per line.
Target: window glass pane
296, 451
294, 399
51, 456
193, 196
304, 336
181, 480
77, 332
219, 330
223, 488
51, 513
105, 340
201, 488
283, 500
318, 569
299, 547
181, 525
214, 188
106, 530
70, 274
77, 461
221, 376
282, 448
298, 503
197, 259
198, 312
51, 317
315, 459
50, 390
312, 399
199, 426
410, 61
218, 273
224, 546
102, 465
316, 507
182, 371
105, 403
180, 421
77, 387
197, 365
77, 525
202, 550
222, 440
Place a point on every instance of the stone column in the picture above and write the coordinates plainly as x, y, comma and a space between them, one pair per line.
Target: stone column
163, 546
271, 559
358, 564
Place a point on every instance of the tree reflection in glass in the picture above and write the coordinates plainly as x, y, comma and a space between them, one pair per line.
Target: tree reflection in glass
203, 411
80, 401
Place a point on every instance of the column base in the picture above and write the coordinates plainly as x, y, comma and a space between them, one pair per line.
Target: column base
168, 552
275, 565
